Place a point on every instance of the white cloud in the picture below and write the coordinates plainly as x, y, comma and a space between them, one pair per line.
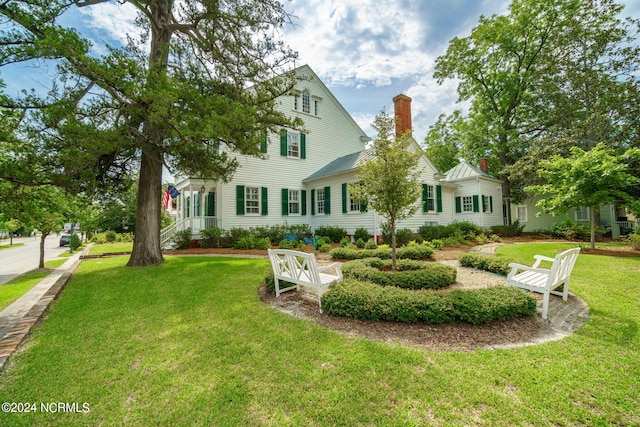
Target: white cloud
111, 20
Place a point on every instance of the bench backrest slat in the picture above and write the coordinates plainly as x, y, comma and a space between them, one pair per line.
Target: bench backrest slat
562, 266
295, 264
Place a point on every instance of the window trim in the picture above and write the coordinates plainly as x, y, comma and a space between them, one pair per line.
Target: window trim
306, 101
581, 210
526, 213
319, 202
255, 201
295, 202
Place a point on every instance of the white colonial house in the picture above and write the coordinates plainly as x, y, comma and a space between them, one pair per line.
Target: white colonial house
303, 177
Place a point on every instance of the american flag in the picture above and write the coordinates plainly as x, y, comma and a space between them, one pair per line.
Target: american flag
166, 199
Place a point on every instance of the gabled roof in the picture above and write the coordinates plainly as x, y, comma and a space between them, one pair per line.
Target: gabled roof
464, 170
342, 164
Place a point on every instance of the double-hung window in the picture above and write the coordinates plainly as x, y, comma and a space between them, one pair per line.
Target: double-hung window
467, 204
293, 144
320, 200
294, 202
521, 213
252, 200
431, 198
306, 102
582, 214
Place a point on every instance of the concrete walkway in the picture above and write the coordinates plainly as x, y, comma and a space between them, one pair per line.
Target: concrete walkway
17, 320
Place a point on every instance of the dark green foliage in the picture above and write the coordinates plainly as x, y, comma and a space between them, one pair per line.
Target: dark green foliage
361, 233
75, 242
453, 234
486, 263
514, 229
334, 233
182, 238
360, 243
111, 236
252, 242
291, 244
571, 230
371, 244
485, 305
422, 251
409, 275
345, 242
403, 235
211, 237
361, 300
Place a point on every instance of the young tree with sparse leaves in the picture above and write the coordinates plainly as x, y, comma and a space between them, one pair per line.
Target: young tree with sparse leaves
586, 179
199, 83
390, 182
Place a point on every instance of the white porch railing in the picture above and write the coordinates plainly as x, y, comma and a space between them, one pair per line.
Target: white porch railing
195, 223
627, 224
168, 232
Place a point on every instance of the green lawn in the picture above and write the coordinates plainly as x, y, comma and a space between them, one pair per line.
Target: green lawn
7, 245
100, 248
190, 343
14, 289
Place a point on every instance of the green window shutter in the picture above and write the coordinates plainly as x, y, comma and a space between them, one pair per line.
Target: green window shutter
283, 142
425, 196
188, 206
327, 200
491, 204
458, 204
263, 142
363, 207
313, 202
285, 201
439, 198
344, 198
476, 204
265, 202
485, 202
239, 199
211, 204
303, 195
303, 146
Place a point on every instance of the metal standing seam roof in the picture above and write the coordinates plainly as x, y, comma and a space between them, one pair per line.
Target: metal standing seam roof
342, 164
464, 170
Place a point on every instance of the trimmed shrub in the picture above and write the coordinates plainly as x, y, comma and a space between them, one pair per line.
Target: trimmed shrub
324, 248
360, 243
486, 263
288, 244
270, 283
371, 244
512, 230
111, 236
362, 300
571, 230
344, 242
410, 274
421, 251
211, 237
75, 242
361, 233
498, 303
182, 238
334, 233
634, 239
431, 232
403, 235
437, 244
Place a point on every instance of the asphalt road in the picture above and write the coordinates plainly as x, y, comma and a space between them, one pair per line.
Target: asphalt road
21, 259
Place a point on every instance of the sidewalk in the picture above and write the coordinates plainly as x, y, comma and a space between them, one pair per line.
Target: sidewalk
17, 320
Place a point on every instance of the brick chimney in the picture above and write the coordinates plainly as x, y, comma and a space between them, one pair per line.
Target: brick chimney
402, 107
484, 165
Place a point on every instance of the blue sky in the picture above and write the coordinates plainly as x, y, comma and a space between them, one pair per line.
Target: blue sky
365, 51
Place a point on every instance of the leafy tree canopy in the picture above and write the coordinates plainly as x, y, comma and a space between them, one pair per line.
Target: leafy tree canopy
198, 83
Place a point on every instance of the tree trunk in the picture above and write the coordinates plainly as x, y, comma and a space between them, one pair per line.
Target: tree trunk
42, 237
593, 227
146, 241
393, 245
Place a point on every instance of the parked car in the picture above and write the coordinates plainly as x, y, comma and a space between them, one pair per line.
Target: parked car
65, 240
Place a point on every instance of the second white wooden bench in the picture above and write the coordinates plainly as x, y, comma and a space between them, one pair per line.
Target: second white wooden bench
543, 280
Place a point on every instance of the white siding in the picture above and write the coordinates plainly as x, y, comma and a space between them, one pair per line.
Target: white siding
480, 187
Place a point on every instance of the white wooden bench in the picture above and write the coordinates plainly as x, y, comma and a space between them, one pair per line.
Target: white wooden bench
300, 268
544, 281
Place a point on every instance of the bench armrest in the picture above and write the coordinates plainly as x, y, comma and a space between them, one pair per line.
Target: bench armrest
515, 267
540, 258
335, 266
